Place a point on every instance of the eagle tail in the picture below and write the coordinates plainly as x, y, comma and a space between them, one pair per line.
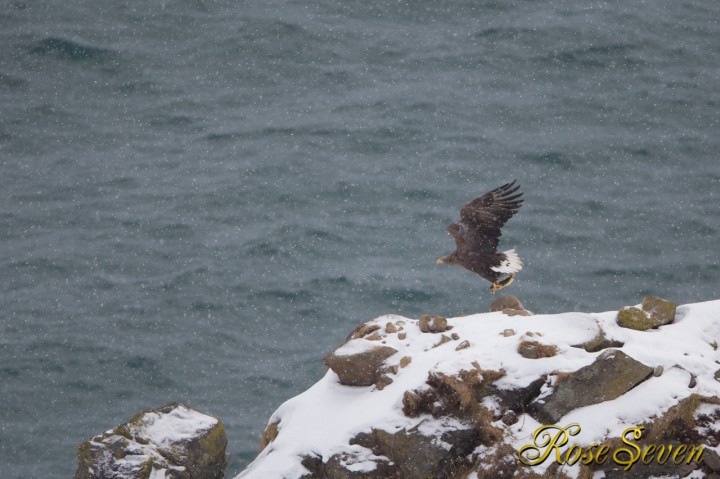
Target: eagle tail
510, 262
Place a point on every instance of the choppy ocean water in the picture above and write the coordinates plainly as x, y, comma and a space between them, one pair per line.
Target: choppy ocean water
200, 199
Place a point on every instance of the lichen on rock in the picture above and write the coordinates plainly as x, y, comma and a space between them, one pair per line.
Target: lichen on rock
655, 312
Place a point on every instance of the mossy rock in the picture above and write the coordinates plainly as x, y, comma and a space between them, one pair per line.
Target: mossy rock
655, 312
633, 318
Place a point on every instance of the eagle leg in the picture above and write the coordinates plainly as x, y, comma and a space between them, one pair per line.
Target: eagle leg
495, 287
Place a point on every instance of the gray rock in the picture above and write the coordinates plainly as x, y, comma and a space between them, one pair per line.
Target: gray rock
360, 369
173, 442
660, 310
612, 374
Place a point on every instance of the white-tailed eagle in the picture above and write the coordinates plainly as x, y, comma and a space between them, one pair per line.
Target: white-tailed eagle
477, 235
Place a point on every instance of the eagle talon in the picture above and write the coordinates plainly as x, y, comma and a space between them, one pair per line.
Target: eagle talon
495, 287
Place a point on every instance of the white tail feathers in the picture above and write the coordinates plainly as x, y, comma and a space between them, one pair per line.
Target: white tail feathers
510, 264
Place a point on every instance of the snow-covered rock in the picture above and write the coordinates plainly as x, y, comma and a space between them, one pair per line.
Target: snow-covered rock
461, 402
171, 442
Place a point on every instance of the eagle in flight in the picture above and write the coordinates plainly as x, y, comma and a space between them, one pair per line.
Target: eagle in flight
477, 235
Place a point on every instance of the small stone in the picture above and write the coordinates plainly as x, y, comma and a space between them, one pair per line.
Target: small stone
509, 418
404, 361
693, 381
508, 332
424, 323
455, 336
535, 350
714, 344
374, 336
394, 368
390, 328
717, 375
443, 339
382, 381
657, 372
530, 334
402, 335
464, 345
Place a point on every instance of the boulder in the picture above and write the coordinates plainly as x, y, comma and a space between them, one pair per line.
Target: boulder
432, 324
655, 312
509, 305
358, 366
660, 310
172, 442
507, 301
611, 375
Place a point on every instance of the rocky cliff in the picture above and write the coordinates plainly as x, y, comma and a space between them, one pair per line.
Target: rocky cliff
170, 442
630, 393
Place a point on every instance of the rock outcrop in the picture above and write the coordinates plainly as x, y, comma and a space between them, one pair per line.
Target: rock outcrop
467, 398
171, 442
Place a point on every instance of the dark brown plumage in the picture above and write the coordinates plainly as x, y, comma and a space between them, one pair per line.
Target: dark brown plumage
477, 235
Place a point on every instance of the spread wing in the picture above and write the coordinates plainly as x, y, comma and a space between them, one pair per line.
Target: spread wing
478, 230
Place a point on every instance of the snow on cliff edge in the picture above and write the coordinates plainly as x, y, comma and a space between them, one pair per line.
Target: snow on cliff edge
322, 420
